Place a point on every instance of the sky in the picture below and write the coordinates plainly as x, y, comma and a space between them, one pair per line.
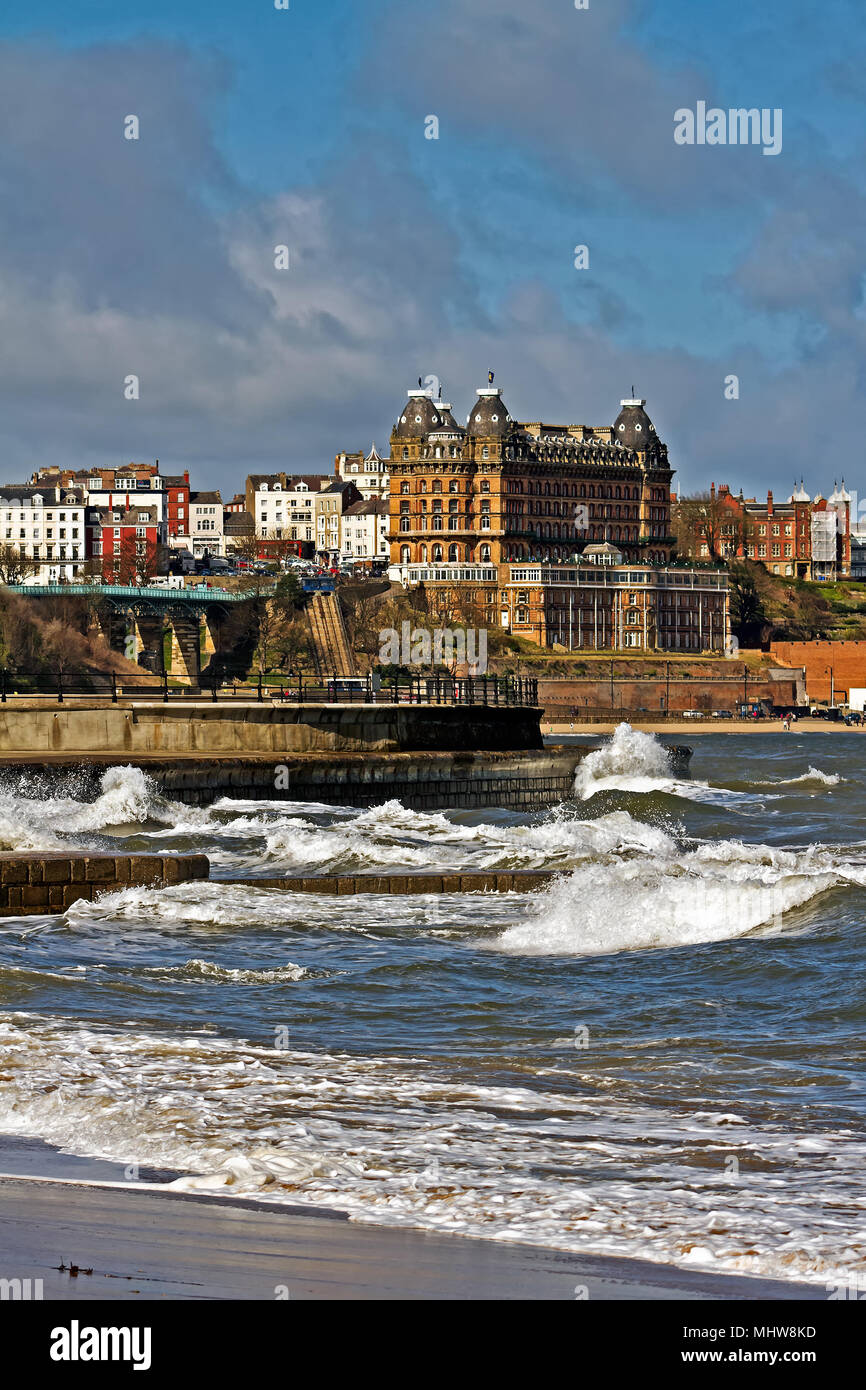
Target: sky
408, 256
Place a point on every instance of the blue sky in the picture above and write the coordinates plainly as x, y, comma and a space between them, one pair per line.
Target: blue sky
412, 256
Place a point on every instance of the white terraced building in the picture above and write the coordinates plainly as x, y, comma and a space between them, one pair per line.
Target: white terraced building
46, 526
366, 527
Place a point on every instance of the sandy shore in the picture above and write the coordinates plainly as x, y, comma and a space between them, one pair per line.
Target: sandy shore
679, 728
141, 1242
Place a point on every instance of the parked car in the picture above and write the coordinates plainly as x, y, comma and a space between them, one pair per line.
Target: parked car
694, 714
723, 714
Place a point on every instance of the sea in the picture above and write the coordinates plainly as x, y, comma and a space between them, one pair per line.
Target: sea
661, 1055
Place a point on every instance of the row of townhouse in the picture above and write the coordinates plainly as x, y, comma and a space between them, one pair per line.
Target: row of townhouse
125, 525
317, 516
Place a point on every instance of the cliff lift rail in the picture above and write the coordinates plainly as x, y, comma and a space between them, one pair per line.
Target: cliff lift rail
436, 689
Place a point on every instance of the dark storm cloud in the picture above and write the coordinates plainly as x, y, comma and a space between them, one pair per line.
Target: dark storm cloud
121, 257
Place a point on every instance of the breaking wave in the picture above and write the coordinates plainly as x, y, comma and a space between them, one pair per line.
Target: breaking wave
32, 817
714, 892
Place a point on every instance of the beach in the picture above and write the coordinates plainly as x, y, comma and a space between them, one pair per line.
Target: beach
682, 727
143, 1243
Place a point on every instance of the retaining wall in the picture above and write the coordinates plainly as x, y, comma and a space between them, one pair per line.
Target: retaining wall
151, 728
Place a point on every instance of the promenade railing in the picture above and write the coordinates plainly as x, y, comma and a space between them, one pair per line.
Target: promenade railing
431, 689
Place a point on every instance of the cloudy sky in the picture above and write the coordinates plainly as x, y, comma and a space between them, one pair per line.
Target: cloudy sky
416, 257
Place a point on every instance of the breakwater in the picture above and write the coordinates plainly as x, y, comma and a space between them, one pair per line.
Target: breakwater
521, 881
50, 882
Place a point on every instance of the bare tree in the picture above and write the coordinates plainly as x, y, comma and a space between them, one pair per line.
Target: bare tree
15, 566
706, 522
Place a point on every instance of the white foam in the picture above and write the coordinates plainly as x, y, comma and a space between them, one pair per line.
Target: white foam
127, 797
400, 1141
715, 892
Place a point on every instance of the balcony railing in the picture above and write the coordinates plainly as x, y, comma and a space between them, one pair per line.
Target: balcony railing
61, 687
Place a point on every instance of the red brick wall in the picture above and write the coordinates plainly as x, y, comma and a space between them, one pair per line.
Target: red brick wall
845, 660
558, 697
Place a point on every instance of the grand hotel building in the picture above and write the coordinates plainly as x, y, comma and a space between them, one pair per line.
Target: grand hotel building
559, 533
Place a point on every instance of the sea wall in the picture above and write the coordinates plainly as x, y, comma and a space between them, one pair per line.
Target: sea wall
50, 882
125, 729
428, 781
562, 699
833, 669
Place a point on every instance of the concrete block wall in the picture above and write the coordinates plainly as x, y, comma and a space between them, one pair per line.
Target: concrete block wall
50, 883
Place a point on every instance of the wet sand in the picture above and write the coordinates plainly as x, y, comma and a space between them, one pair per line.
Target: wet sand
143, 1242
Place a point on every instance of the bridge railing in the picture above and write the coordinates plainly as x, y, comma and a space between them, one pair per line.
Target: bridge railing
437, 689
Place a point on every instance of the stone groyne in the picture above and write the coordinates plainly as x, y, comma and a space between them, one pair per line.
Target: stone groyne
50, 882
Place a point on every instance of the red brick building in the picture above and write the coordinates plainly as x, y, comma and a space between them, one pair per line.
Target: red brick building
832, 669
802, 537
123, 542
177, 504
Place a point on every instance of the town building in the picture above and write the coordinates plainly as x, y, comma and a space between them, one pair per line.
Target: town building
560, 534
206, 535
802, 537
502, 491
176, 489
365, 531
141, 482
126, 543
330, 504
368, 472
604, 603
283, 508
238, 530
45, 525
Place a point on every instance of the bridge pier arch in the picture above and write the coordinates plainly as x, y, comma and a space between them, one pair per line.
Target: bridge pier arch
185, 648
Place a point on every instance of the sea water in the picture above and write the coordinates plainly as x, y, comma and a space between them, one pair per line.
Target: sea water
660, 1055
